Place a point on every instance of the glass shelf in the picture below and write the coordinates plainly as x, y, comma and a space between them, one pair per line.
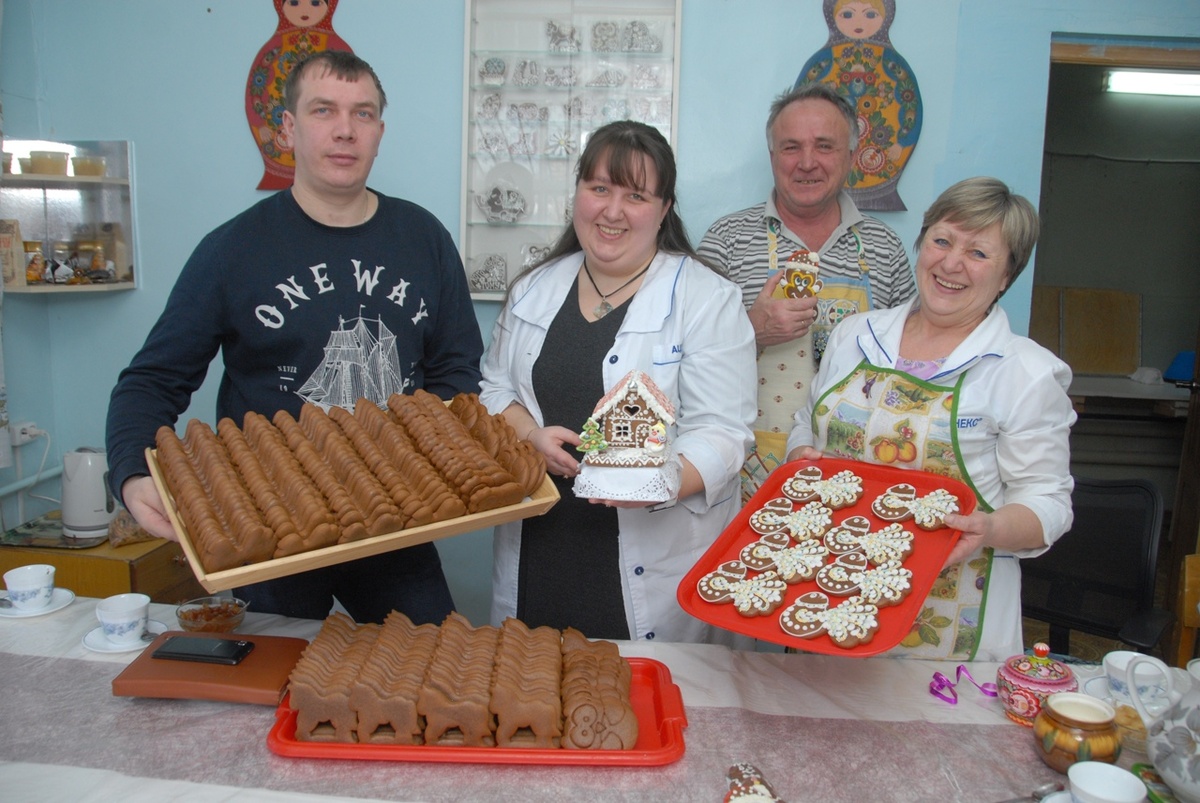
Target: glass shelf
81, 225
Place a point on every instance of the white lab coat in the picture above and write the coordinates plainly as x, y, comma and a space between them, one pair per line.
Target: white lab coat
687, 329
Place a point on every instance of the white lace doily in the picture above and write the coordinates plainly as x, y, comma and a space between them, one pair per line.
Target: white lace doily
623, 484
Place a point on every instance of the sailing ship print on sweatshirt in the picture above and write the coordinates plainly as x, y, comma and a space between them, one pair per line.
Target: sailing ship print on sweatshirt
360, 362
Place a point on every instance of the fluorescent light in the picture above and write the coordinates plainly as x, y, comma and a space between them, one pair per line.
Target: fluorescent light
1151, 82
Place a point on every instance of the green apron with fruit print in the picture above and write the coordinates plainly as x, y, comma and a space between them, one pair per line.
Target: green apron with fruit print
891, 418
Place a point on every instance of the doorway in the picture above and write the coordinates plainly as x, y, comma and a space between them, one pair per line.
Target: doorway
1120, 198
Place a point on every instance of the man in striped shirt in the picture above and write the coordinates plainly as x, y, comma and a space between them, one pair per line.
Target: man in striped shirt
809, 219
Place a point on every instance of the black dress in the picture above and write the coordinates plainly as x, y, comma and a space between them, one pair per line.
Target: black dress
570, 574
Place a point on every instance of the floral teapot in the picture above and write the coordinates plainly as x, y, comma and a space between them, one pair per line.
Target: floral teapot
1173, 734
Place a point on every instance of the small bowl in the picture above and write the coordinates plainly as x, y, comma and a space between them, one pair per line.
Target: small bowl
88, 165
26, 164
211, 614
49, 163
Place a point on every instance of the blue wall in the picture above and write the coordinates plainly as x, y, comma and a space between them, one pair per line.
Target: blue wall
170, 76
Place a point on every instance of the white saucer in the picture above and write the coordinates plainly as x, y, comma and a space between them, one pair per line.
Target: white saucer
96, 642
59, 599
1060, 797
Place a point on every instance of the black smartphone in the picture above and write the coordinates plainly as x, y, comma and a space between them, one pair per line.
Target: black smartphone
206, 650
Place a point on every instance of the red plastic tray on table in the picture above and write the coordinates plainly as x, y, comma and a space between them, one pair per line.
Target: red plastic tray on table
930, 549
656, 700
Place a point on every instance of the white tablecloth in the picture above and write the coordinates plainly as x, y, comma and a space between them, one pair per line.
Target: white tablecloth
819, 727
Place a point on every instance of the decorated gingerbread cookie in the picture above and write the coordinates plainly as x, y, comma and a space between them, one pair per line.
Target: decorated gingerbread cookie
843, 489
893, 504
799, 276
900, 503
850, 528
851, 623
752, 596
810, 521
772, 516
747, 785
793, 564
883, 585
893, 542
929, 512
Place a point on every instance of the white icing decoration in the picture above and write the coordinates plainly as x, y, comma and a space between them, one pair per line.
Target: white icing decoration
810, 521
841, 490
761, 594
893, 542
888, 581
795, 563
930, 510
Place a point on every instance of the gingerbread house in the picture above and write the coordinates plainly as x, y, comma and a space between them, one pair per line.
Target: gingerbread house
629, 412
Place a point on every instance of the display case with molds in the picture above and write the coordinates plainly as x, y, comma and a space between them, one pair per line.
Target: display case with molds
539, 78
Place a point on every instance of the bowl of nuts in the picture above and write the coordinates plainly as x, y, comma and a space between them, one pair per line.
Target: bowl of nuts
211, 614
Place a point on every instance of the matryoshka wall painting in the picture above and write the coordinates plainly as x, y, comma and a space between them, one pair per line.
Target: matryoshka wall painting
305, 27
859, 60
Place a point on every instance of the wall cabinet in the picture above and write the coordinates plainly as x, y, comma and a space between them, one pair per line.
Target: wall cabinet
539, 78
79, 220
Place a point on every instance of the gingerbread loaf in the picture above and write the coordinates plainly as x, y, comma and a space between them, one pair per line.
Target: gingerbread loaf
597, 713
384, 696
321, 683
458, 685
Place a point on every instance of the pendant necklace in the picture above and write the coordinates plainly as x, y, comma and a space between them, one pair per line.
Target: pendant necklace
603, 308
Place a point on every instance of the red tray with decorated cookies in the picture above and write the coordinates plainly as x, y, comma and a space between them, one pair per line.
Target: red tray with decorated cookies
830, 556
656, 700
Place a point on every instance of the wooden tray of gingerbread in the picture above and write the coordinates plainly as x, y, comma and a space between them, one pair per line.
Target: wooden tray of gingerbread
656, 700
534, 505
746, 564
282, 496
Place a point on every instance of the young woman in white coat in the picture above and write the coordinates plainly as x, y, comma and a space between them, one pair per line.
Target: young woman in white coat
622, 289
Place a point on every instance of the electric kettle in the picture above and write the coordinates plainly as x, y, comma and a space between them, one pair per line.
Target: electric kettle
87, 504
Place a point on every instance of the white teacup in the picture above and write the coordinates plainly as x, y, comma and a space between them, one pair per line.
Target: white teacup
1193, 668
1098, 782
30, 587
1151, 675
123, 617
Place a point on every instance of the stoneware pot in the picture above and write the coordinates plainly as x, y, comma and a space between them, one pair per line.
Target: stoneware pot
1173, 736
1025, 681
1075, 727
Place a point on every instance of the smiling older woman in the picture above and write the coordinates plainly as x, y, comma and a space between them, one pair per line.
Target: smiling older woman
944, 381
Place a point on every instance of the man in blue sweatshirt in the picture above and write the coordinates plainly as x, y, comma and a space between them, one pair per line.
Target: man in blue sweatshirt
326, 292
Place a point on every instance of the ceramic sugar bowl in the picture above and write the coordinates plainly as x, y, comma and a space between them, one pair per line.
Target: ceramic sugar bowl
1025, 681
1076, 727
